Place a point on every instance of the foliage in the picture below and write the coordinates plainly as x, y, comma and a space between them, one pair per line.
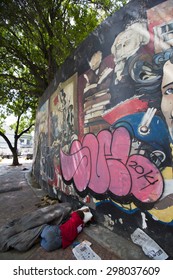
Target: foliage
36, 36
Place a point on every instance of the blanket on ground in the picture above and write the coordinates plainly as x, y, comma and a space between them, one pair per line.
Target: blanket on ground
22, 233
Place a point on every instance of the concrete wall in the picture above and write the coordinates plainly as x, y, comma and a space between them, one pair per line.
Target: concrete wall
104, 129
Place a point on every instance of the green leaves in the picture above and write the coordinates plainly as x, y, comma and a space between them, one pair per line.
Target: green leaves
36, 36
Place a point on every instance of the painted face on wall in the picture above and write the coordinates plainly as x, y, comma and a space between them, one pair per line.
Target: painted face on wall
167, 95
127, 43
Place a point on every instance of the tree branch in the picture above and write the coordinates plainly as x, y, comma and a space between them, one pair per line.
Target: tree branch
25, 131
7, 140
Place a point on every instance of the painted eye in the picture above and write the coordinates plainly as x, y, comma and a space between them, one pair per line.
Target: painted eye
169, 91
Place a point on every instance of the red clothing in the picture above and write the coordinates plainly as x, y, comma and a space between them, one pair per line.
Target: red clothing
71, 229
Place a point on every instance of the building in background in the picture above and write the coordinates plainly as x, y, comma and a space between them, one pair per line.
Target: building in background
25, 144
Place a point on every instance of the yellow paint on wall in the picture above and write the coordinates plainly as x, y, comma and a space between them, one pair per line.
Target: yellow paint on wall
167, 173
164, 215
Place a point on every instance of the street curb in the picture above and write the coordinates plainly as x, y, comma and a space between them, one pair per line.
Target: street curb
123, 248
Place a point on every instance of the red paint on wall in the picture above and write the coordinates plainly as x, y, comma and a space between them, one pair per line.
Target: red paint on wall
128, 107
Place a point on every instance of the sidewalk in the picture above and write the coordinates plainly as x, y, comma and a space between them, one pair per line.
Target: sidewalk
19, 194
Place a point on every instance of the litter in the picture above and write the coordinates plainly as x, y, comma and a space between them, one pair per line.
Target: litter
46, 201
83, 251
149, 246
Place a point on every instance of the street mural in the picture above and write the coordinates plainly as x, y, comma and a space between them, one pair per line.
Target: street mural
103, 165
108, 138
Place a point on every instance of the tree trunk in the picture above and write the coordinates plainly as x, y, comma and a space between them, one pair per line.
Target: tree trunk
15, 158
15, 150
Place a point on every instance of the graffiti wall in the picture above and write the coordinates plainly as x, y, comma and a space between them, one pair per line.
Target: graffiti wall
104, 127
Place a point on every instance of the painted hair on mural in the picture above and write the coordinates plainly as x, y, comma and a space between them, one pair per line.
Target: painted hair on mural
147, 70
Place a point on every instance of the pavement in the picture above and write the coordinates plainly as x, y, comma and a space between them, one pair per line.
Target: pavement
20, 194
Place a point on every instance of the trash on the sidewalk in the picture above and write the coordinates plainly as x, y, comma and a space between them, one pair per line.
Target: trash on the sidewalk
24, 169
149, 246
45, 201
83, 251
87, 242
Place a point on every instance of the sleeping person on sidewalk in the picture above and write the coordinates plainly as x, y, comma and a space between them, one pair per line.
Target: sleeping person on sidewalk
61, 236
